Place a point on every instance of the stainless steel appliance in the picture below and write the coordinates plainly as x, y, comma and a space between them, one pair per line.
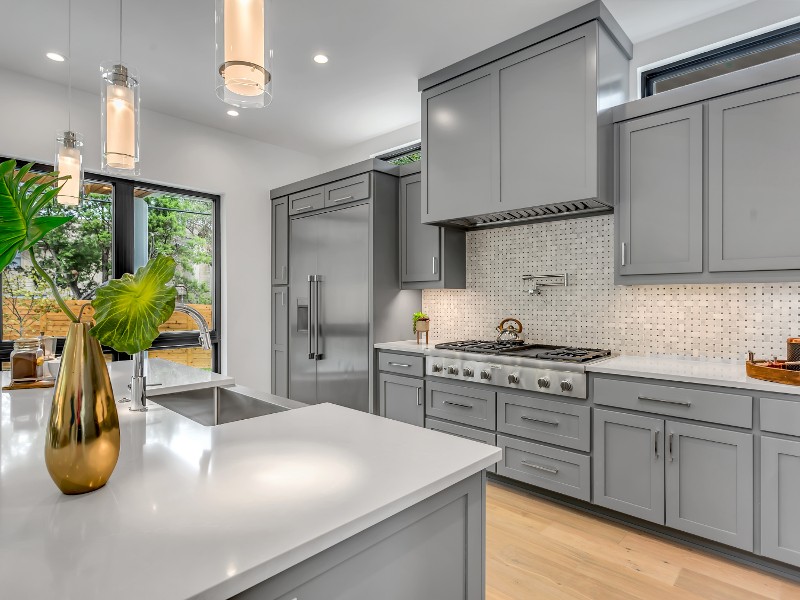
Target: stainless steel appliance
515, 364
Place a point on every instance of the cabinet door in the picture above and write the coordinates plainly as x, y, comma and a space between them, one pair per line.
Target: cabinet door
280, 342
780, 498
753, 145
280, 373
280, 241
660, 212
457, 134
629, 464
548, 121
400, 399
419, 244
709, 483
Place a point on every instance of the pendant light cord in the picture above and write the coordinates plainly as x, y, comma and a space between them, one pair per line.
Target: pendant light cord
69, 65
120, 31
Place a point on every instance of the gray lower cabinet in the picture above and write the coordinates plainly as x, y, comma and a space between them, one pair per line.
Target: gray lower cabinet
780, 498
660, 211
754, 142
629, 464
462, 404
553, 422
280, 342
280, 241
401, 398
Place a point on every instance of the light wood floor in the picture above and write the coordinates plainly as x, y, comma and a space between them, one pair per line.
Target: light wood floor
538, 549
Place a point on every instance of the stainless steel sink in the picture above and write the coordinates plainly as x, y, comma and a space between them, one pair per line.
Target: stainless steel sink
218, 405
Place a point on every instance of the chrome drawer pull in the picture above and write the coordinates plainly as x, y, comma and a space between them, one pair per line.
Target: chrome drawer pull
535, 420
451, 403
680, 402
341, 199
303, 207
394, 364
550, 470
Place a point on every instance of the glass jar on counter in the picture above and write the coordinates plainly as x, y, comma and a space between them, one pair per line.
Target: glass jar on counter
27, 360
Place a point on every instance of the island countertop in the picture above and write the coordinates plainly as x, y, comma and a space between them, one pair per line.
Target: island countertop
207, 512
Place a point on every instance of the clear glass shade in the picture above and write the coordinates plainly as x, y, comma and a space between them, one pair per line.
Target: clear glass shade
243, 70
69, 162
119, 121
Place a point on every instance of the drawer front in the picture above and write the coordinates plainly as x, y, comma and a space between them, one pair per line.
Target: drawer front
780, 416
713, 407
306, 201
402, 364
461, 404
557, 470
347, 190
556, 423
470, 433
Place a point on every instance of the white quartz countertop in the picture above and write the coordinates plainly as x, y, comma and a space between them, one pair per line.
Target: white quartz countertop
164, 376
207, 512
410, 346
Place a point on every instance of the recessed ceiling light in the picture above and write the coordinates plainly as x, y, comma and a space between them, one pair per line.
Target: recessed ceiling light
321, 59
55, 56
233, 113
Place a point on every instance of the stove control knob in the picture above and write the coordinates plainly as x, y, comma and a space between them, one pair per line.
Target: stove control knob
469, 372
452, 370
543, 382
513, 378
437, 368
486, 374
566, 385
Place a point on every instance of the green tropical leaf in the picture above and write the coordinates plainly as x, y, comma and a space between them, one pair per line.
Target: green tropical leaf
128, 311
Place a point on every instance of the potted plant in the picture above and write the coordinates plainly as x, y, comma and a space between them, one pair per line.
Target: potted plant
422, 324
82, 440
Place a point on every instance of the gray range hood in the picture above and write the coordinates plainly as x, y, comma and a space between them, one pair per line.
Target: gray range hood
520, 216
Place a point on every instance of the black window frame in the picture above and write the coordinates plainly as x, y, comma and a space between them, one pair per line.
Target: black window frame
122, 235
696, 62
401, 152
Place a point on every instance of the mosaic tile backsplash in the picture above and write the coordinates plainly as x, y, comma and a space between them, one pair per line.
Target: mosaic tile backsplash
720, 321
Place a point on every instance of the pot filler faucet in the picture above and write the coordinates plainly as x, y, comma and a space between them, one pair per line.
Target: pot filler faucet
138, 385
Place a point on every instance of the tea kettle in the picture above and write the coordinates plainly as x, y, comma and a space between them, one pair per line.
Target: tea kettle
510, 330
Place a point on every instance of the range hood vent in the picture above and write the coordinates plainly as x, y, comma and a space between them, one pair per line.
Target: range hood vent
520, 216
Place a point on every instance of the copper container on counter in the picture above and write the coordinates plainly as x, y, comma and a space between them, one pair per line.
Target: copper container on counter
793, 353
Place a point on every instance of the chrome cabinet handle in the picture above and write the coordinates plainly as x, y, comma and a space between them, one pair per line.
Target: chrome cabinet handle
624, 247
435, 270
311, 352
669, 444
283, 298
535, 420
283, 272
341, 199
394, 364
655, 442
303, 208
539, 467
451, 403
679, 402
419, 400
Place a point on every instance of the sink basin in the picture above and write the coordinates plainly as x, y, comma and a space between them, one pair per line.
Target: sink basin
218, 405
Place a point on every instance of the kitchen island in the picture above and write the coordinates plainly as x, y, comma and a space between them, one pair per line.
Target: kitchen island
317, 502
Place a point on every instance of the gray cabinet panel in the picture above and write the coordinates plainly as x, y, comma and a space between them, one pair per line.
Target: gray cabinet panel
402, 364
279, 350
709, 482
400, 398
347, 190
660, 212
558, 423
548, 121
780, 498
280, 241
420, 244
780, 416
629, 464
280, 372
469, 433
753, 145
462, 404
458, 133
306, 201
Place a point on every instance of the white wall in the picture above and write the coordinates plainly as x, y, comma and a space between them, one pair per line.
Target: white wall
362, 151
185, 154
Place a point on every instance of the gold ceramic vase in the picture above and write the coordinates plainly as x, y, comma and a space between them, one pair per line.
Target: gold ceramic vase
82, 444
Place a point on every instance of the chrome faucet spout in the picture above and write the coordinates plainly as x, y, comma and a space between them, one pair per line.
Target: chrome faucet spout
202, 324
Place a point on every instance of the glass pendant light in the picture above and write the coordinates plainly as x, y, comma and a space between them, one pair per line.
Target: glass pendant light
119, 115
69, 158
243, 53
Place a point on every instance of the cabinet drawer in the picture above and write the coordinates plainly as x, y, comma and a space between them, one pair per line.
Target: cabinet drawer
461, 404
347, 190
305, 201
556, 423
402, 364
780, 416
470, 433
714, 407
557, 470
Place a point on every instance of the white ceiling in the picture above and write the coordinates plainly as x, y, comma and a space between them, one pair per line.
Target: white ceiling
377, 48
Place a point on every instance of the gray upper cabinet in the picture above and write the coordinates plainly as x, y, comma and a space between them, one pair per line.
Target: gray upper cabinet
709, 482
307, 200
347, 190
660, 210
280, 241
780, 496
754, 144
401, 399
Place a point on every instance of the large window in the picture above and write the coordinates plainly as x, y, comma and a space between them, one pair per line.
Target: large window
116, 229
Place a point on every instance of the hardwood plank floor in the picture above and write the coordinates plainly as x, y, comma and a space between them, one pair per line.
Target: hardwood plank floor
538, 549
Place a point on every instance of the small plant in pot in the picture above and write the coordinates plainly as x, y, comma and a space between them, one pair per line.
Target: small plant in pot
82, 437
422, 324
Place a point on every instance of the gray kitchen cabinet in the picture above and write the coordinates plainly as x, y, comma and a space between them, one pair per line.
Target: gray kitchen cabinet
462, 404
347, 190
709, 483
401, 399
430, 256
753, 145
660, 211
280, 342
280, 241
629, 464
307, 200
780, 497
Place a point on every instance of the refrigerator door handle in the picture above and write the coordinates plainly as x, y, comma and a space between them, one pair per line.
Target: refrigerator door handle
317, 354
311, 350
